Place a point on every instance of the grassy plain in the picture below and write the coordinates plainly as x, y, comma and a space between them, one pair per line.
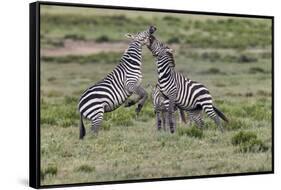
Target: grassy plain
231, 56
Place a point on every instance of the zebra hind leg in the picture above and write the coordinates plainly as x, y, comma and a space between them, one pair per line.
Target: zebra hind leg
82, 129
158, 125
197, 118
96, 123
218, 123
164, 119
210, 111
171, 116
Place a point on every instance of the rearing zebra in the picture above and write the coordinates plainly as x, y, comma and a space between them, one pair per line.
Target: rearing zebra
181, 91
111, 92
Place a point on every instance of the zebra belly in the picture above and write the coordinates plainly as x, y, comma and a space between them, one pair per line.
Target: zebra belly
96, 100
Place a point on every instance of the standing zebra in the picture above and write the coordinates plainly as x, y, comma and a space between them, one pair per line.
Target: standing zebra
161, 105
181, 91
111, 92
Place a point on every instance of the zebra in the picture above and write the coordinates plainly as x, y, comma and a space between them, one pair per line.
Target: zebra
160, 105
181, 91
112, 91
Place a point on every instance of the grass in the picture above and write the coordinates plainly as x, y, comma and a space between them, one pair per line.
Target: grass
190, 132
248, 142
128, 146
236, 68
102, 57
226, 32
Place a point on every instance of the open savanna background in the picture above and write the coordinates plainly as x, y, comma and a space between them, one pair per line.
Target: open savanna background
230, 55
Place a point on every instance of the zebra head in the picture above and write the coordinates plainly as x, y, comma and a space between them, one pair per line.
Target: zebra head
142, 37
157, 47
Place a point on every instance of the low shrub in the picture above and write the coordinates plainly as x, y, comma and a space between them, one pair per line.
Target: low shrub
254, 70
254, 145
191, 132
212, 70
75, 37
85, 168
106, 125
248, 142
235, 123
51, 170
243, 137
102, 38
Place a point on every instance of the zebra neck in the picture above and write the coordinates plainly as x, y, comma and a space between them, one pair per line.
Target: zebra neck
164, 68
132, 55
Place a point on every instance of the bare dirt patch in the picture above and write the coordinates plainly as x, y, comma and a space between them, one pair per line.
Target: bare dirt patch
71, 47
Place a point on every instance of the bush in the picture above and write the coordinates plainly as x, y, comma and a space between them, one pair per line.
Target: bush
102, 38
85, 168
120, 117
106, 125
212, 70
51, 170
246, 59
235, 124
171, 18
191, 132
254, 145
211, 56
254, 70
243, 137
248, 142
74, 37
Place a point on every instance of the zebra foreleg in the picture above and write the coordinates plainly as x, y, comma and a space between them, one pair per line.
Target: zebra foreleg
164, 119
142, 98
171, 116
158, 125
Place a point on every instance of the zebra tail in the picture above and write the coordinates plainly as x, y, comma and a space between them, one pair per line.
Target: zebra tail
82, 128
220, 114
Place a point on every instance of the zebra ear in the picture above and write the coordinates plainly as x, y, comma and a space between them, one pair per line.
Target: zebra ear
170, 50
128, 35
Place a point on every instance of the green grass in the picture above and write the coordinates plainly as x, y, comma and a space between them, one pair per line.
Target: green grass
102, 57
128, 146
98, 25
248, 142
236, 69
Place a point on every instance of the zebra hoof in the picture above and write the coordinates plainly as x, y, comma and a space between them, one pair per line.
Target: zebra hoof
138, 109
129, 103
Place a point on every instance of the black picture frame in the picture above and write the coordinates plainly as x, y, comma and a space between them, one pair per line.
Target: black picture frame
34, 91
